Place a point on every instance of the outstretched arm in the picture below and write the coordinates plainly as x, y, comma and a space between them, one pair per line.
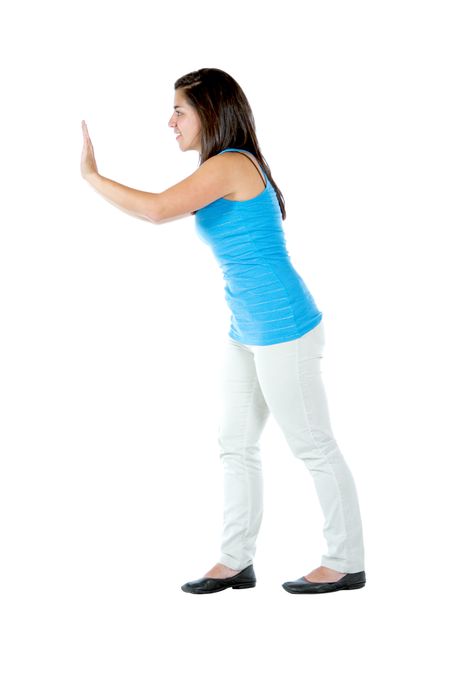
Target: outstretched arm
134, 202
214, 179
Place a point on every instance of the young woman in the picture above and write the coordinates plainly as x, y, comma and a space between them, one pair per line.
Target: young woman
276, 337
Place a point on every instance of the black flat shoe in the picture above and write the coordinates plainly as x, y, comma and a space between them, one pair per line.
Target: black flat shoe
346, 583
243, 579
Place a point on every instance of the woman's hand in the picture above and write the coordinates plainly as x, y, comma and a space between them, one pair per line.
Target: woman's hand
88, 163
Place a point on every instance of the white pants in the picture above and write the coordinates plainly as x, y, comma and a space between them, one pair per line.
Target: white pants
283, 379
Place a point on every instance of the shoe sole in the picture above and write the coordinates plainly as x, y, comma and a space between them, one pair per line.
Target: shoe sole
348, 587
247, 584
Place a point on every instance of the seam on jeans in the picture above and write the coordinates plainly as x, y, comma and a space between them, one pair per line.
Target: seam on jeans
297, 369
252, 395
323, 455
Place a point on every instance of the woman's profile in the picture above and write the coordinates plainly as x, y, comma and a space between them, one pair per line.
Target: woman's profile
276, 336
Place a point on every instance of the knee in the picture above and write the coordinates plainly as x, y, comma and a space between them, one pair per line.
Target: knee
229, 445
224, 441
310, 448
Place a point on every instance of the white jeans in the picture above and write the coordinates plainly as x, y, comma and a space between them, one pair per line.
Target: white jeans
283, 379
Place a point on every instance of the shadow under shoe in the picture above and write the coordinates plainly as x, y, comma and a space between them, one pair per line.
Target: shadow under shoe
348, 582
244, 579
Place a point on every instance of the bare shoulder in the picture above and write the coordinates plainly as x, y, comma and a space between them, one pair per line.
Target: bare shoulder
247, 181
226, 175
222, 159
234, 170
214, 178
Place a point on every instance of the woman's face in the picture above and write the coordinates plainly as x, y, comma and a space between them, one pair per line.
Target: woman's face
186, 124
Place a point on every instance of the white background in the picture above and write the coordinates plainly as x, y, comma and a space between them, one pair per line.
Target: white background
112, 331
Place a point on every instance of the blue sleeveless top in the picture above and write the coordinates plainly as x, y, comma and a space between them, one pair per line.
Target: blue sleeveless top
268, 299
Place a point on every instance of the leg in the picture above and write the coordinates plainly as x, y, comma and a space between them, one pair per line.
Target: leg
290, 378
244, 415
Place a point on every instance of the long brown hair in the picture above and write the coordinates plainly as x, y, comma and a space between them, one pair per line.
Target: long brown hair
226, 117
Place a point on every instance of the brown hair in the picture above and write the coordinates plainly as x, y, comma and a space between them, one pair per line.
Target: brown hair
226, 117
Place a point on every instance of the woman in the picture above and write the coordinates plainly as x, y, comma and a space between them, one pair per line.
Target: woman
276, 336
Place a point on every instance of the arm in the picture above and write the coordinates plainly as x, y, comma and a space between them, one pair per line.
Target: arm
134, 202
215, 178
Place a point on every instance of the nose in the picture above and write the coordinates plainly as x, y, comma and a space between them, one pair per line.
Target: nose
171, 121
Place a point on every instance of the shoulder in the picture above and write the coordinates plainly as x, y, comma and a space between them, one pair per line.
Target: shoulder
233, 164
222, 159
222, 168
215, 178
225, 167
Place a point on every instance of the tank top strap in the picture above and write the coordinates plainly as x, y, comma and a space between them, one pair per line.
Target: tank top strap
246, 152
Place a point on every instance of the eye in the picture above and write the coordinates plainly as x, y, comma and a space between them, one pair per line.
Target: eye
177, 112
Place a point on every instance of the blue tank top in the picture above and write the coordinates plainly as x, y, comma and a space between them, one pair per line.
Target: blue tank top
268, 299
